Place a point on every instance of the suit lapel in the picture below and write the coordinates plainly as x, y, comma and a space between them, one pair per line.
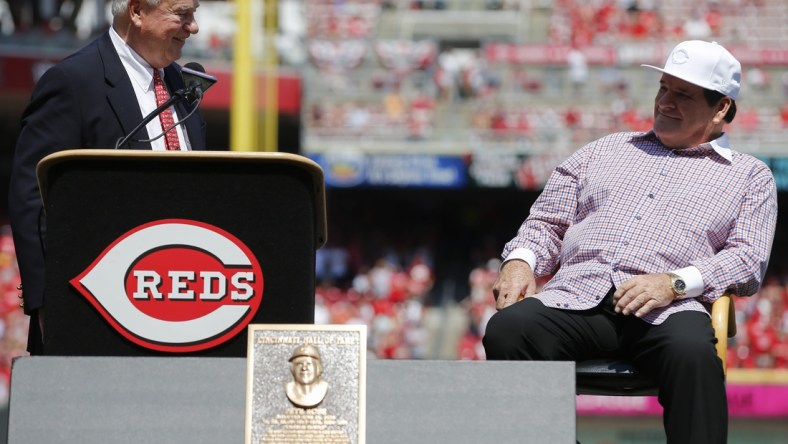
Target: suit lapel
120, 94
123, 100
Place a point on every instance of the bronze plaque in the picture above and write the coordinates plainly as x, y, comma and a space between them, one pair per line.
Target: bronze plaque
306, 384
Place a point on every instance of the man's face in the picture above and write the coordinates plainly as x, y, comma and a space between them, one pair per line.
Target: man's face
163, 29
682, 118
305, 369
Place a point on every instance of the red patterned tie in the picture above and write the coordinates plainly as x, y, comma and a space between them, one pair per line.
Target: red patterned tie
166, 116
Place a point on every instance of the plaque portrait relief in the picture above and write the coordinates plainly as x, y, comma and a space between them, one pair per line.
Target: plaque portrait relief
307, 389
306, 384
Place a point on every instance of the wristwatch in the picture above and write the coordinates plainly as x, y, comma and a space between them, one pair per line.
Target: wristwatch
678, 285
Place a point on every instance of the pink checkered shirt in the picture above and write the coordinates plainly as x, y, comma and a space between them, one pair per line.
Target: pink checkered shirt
626, 205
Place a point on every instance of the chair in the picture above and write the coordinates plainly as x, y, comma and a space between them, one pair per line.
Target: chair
618, 377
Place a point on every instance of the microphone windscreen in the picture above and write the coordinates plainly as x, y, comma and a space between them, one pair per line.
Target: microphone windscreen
194, 66
193, 75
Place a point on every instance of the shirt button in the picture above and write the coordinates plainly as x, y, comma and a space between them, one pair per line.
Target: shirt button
650, 195
615, 269
638, 217
626, 243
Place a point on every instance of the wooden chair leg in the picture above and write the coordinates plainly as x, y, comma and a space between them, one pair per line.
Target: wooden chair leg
722, 318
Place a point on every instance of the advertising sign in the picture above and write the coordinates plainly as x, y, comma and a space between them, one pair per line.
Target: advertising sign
349, 169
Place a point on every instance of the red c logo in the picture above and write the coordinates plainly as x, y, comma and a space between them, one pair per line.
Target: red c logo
175, 285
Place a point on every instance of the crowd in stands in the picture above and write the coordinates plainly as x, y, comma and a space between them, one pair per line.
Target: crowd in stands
351, 20
379, 284
500, 123
399, 117
44, 16
394, 118
13, 321
581, 23
465, 94
576, 22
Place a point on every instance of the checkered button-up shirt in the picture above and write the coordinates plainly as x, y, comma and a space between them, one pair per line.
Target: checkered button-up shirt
626, 205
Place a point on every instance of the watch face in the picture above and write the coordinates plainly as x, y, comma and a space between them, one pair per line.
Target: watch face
679, 285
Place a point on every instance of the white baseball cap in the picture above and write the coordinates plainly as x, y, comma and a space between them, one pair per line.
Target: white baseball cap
704, 64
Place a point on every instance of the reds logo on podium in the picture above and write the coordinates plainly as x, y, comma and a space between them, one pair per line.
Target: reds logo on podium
175, 285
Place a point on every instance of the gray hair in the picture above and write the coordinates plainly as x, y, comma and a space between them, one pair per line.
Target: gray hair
120, 6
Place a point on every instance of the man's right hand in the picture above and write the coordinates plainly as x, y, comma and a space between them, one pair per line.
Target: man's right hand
515, 282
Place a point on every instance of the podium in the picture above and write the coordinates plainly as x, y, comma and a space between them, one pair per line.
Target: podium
191, 238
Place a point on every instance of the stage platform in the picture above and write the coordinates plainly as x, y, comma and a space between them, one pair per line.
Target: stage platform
202, 400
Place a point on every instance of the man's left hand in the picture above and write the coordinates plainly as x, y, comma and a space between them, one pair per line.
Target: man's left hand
643, 293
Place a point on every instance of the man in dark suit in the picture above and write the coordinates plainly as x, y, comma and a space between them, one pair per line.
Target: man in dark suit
92, 99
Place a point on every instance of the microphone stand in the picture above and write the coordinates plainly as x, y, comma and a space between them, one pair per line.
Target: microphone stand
176, 97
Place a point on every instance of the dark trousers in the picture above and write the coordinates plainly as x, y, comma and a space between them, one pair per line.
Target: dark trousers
679, 354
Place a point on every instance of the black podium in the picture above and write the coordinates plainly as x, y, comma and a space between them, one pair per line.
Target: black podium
172, 242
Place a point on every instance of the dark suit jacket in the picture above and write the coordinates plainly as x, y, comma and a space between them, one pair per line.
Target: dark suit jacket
85, 101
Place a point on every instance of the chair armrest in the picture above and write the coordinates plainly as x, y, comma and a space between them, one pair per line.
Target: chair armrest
723, 320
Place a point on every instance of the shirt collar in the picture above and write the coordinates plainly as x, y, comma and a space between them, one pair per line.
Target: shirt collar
140, 72
720, 145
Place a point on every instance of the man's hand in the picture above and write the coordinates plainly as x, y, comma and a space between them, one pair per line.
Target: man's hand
514, 283
643, 293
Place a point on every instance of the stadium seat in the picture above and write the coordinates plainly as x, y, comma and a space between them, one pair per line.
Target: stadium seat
618, 377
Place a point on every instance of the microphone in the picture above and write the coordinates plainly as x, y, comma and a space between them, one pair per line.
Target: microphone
177, 96
196, 81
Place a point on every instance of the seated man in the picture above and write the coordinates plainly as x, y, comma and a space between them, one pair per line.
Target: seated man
642, 231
